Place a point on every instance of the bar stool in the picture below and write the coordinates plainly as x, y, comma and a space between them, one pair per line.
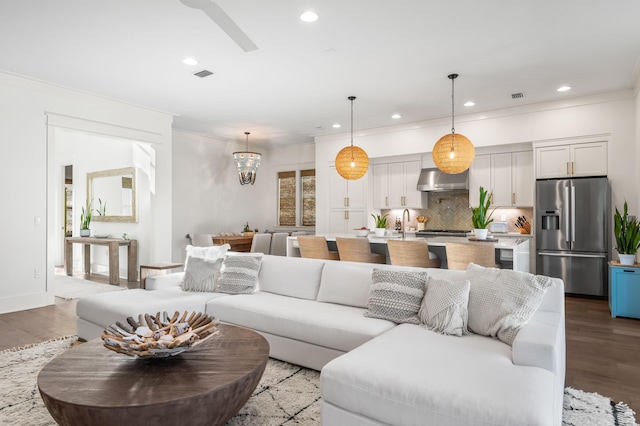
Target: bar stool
459, 255
412, 253
316, 248
358, 250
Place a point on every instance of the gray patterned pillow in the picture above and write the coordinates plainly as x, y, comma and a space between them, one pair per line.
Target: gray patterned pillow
396, 295
444, 307
502, 301
240, 274
201, 275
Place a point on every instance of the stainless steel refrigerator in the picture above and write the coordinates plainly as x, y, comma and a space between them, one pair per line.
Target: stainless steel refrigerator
572, 233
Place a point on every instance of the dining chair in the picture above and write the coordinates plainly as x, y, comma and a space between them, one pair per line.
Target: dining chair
279, 243
358, 250
412, 253
261, 243
459, 255
201, 240
316, 247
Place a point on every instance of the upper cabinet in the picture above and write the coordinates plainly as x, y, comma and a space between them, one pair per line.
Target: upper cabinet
509, 176
571, 160
394, 185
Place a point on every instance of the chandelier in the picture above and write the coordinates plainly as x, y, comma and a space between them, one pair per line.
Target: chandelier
352, 162
247, 163
453, 153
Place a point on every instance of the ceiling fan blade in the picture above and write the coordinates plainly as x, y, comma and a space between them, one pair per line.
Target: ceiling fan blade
225, 23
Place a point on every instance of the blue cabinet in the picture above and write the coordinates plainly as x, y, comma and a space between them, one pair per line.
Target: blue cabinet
624, 290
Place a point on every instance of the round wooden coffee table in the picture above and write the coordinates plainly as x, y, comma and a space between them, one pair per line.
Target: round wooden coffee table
91, 385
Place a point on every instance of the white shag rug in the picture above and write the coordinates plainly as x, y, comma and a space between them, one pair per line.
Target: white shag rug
286, 395
69, 288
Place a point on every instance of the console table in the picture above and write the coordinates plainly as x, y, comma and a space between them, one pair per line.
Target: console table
114, 256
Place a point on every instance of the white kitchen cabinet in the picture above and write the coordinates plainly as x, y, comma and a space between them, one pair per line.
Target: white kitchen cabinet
394, 185
571, 160
343, 221
509, 176
346, 193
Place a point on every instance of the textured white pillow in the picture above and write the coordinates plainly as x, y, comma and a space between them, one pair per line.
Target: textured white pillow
444, 307
201, 275
396, 295
502, 301
209, 253
240, 273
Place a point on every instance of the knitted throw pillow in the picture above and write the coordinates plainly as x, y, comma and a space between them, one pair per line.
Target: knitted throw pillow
240, 274
396, 295
201, 275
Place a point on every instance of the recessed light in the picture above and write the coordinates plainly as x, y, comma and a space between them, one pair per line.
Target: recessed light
309, 16
337, 126
189, 61
469, 104
396, 116
564, 88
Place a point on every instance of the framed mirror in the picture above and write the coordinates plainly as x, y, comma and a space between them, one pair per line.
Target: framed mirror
114, 195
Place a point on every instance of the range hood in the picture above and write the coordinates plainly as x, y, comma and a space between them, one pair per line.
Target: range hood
436, 180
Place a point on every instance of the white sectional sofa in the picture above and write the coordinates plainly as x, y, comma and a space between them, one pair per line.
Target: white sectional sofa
374, 371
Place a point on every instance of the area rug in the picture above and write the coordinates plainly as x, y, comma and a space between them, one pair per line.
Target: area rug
286, 395
69, 288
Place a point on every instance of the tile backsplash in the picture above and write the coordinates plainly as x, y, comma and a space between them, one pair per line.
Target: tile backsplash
450, 210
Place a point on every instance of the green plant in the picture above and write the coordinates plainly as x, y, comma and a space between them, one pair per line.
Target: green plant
627, 232
480, 215
102, 208
85, 215
381, 221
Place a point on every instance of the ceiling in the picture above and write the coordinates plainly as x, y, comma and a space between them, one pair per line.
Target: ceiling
394, 56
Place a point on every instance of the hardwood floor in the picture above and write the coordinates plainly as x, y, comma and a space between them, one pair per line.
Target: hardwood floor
603, 353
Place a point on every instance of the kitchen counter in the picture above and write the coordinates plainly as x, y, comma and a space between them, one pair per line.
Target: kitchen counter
511, 252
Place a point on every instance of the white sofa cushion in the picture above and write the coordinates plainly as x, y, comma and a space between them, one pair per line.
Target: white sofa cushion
434, 379
325, 324
444, 307
291, 276
209, 253
106, 308
501, 301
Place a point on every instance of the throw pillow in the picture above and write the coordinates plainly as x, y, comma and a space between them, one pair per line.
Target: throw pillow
444, 307
240, 274
201, 275
209, 253
396, 295
502, 301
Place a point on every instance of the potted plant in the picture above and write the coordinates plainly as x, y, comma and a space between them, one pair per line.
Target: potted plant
247, 232
85, 219
480, 215
381, 224
627, 233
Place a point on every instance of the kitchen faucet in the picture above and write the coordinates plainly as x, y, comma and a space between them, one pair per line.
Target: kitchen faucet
404, 229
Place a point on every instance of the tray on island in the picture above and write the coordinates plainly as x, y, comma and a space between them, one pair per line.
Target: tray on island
156, 336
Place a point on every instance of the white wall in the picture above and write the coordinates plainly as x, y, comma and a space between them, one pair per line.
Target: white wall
207, 195
612, 114
26, 153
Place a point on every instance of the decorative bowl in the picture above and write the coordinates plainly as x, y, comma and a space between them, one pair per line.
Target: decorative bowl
361, 232
156, 336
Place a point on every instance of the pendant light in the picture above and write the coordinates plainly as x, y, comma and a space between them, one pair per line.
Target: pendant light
453, 153
248, 163
352, 162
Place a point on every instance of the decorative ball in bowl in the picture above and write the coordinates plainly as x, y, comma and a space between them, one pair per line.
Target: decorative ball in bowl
361, 232
159, 336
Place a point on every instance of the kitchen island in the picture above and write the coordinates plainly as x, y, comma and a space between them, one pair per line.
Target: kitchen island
511, 253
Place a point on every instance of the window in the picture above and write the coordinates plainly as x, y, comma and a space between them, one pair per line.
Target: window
297, 208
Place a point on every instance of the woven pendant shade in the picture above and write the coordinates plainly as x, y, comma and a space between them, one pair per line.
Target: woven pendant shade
453, 161
352, 162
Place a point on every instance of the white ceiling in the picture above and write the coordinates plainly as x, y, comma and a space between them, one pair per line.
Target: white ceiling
393, 55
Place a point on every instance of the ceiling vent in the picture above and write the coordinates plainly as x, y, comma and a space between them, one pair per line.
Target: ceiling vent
203, 73
517, 95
